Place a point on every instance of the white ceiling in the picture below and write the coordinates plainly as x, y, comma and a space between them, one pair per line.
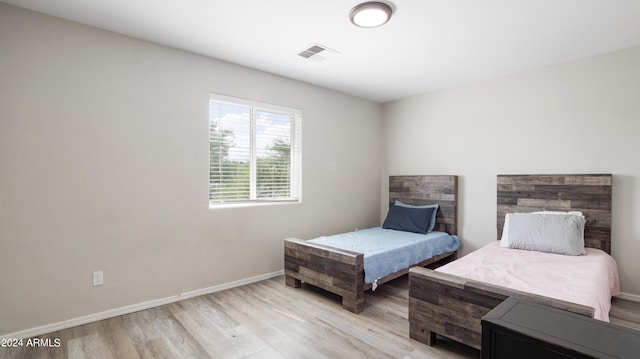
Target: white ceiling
428, 45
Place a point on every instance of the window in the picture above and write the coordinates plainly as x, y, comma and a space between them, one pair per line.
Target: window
254, 152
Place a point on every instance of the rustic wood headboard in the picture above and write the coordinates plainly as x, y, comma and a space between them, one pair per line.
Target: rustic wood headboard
590, 194
421, 190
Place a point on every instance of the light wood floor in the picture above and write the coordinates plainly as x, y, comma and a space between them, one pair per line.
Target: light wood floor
265, 320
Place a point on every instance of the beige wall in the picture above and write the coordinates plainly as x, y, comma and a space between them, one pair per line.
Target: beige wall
579, 117
104, 165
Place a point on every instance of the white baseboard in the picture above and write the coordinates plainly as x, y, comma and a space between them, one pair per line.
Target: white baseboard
53, 327
629, 297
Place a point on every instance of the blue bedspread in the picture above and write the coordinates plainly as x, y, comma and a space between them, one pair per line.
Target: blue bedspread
387, 251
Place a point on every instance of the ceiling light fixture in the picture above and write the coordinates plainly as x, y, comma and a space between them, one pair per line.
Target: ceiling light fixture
370, 14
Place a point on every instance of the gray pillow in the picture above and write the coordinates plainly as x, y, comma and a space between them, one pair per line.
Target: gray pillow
545, 232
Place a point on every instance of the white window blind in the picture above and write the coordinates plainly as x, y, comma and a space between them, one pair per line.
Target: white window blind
254, 152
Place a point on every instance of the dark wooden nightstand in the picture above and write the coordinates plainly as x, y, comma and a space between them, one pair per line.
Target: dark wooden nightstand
521, 329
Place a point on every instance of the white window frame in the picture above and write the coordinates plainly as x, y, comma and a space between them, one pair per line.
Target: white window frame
295, 163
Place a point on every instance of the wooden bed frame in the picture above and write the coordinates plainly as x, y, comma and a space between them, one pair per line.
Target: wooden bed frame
342, 272
453, 306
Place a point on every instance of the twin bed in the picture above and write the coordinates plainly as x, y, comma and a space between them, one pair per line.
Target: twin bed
452, 299
349, 272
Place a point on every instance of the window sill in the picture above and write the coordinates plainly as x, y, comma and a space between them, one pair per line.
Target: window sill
251, 204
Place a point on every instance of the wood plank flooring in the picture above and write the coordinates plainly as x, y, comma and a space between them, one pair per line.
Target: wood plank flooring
265, 320
626, 313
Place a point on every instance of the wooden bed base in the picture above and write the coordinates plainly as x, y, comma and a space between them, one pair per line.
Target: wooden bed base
338, 271
453, 306
342, 272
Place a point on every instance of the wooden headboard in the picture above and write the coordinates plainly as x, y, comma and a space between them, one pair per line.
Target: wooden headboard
590, 194
421, 190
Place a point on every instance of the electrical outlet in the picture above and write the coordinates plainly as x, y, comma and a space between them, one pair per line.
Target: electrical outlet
98, 278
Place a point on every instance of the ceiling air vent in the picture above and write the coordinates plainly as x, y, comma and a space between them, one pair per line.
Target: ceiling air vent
317, 52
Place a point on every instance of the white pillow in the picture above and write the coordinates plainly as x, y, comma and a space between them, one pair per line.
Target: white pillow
504, 239
575, 213
546, 232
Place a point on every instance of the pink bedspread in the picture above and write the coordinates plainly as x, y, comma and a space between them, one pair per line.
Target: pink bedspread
590, 279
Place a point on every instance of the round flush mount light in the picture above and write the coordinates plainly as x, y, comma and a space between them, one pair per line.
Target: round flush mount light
370, 14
